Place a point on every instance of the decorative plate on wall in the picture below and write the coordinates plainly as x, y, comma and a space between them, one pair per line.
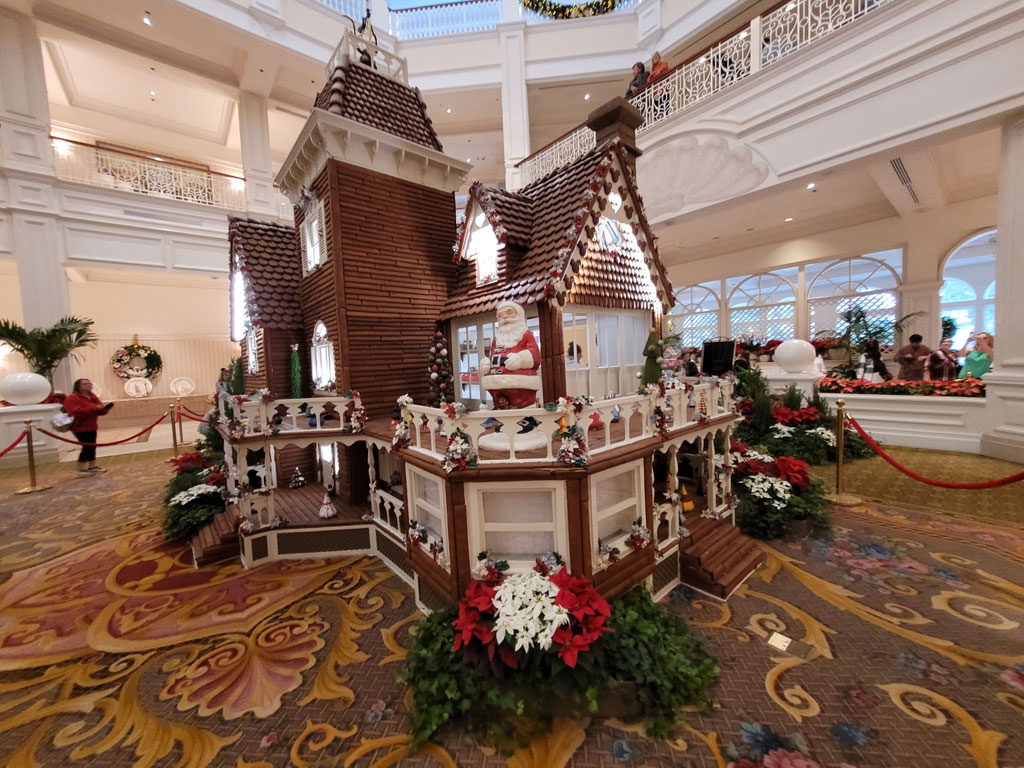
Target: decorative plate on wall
183, 386
138, 387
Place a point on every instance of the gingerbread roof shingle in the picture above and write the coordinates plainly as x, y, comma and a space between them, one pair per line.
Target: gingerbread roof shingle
268, 256
358, 93
546, 226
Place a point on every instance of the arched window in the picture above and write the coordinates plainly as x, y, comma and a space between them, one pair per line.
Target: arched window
694, 316
762, 307
968, 273
322, 359
252, 349
861, 283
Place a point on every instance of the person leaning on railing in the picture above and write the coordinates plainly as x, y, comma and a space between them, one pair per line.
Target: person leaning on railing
639, 81
659, 92
85, 408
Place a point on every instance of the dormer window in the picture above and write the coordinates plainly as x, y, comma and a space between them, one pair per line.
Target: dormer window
609, 235
314, 244
322, 359
483, 249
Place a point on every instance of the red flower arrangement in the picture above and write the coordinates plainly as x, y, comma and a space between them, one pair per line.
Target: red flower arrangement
825, 342
189, 462
769, 347
955, 388
490, 618
793, 471
798, 417
220, 479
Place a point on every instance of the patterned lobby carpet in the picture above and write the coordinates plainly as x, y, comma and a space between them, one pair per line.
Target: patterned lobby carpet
874, 479
115, 651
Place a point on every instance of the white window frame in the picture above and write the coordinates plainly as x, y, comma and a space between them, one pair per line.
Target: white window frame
252, 349
478, 528
415, 504
321, 354
313, 229
597, 515
486, 326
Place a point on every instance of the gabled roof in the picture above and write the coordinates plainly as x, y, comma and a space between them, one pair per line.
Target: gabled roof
268, 256
358, 93
546, 227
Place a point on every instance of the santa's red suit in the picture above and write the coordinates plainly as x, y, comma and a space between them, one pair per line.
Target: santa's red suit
511, 373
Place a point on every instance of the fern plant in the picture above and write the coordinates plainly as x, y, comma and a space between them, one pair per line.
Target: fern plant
858, 329
46, 348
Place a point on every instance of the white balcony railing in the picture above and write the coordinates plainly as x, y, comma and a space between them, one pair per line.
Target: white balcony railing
358, 48
620, 421
445, 19
781, 31
249, 416
113, 169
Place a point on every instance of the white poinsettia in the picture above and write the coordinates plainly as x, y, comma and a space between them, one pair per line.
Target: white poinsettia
825, 434
775, 491
193, 493
525, 611
781, 430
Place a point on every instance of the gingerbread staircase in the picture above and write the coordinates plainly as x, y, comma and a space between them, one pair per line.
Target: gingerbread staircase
217, 540
715, 557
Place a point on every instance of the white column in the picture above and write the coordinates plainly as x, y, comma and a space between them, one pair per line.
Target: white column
254, 133
1004, 436
922, 297
802, 309
515, 111
27, 162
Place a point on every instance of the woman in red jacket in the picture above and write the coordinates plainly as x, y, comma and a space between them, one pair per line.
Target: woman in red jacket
85, 408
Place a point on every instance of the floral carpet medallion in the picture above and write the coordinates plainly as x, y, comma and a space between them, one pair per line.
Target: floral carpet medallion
906, 629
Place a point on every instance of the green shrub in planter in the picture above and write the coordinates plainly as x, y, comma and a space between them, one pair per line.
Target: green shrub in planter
182, 523
507, 708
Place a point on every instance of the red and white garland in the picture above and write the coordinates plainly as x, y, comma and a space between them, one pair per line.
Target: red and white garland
460, 453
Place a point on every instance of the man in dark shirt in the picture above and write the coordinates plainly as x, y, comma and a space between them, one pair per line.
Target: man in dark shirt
912, 358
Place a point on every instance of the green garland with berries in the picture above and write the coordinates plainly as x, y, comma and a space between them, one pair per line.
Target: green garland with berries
556, 10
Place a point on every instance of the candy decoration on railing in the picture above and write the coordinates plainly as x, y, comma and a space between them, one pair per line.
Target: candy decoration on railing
660, 419
556, 10
573, 448
357, 421
460, 453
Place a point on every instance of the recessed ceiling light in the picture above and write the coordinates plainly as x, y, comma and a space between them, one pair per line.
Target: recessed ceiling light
152, 93
586, 97
449, 110
146, 20
790, 218
469, 159
811, 185
158, 159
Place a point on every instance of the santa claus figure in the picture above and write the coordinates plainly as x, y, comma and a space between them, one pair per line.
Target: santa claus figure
511, 373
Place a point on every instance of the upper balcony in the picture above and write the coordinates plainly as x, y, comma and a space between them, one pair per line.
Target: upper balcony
766, 40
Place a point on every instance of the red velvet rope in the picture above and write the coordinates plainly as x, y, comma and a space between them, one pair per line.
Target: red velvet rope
190, 416
10, 447
190, 411
920, 478
103, 445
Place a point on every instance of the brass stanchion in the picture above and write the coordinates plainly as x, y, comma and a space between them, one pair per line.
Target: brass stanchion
838, 497
174, 430
32, 487
181, 421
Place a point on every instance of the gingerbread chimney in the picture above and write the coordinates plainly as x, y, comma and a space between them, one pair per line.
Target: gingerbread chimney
618, 119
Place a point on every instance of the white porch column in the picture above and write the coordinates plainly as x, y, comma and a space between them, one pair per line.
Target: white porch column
922, 297
254, 133
515, 111
1004, 435
27, 162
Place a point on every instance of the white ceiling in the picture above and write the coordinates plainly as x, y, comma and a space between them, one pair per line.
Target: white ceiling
945, 172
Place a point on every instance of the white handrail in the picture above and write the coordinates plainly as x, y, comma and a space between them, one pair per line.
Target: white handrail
782, 31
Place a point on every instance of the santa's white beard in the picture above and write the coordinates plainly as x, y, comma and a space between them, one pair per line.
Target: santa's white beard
509, 333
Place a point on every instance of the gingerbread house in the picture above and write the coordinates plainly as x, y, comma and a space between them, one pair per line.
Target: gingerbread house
378, 290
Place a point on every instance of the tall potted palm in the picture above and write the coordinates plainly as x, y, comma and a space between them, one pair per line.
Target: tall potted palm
45, 348
857, 328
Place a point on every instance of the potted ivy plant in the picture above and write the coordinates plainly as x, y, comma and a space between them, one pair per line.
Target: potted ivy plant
46, 348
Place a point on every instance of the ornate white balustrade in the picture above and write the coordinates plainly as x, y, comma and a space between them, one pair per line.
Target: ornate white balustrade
248, 416
360, 49
389, 511
604, 425
445, 19
257, 507
100, 167
766, 40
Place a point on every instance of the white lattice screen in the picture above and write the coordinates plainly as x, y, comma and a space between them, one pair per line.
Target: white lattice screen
825, 313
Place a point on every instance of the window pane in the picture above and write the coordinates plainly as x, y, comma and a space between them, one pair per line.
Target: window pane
528, 506
612, 490
964, 319
619, 524
955, 289
518, 545
607, 340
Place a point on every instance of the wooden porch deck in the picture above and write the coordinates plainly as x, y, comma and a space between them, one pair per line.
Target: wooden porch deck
301, 507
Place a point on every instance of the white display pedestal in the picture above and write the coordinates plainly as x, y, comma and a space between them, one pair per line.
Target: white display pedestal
779, 380
12, 422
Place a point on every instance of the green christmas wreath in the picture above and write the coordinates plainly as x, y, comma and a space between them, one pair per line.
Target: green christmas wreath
152, 363
556, 10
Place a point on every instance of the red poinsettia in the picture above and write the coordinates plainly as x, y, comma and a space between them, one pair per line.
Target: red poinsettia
220, 479
793, 471
791, 417
188, 462
737, 446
